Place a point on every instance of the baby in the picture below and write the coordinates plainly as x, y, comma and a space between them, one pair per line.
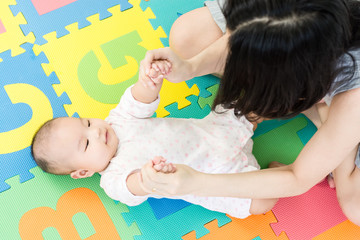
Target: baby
118, 147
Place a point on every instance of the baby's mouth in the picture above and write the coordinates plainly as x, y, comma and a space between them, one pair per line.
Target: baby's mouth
106, 137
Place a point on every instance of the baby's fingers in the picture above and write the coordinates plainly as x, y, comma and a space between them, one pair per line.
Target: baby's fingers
168, 168
172, 168
144, 79
164, 69
161, 66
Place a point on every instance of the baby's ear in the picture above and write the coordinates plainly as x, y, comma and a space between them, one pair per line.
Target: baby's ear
81, 173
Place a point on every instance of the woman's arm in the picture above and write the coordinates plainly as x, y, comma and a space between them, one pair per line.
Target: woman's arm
330, 145
212, 59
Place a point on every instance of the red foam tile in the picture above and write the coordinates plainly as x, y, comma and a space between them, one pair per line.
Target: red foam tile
308, 215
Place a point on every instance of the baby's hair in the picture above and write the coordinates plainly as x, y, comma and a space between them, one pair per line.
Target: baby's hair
38, 150
284, 54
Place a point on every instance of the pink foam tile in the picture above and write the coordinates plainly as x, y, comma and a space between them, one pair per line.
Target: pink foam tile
2, 27
308, 215
45, 6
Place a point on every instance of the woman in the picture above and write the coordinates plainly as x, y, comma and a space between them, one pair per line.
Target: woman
278, 58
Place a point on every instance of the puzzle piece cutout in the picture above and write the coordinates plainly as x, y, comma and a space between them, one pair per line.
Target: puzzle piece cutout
209, 100
56, 20
11, 36
282, 143
27, 100
175, 93
164, 207
192, 217
248, 228
167, 12
55, 201
191, 111
308, 215
13, 164
204, 83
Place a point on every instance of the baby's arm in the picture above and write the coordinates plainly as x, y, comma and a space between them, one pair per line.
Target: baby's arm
145, 94
133, 184
134, 179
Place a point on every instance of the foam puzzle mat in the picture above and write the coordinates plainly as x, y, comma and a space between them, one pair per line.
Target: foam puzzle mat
76, 58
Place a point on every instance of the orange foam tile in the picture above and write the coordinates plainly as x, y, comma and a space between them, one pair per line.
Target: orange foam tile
248, 228
345, 230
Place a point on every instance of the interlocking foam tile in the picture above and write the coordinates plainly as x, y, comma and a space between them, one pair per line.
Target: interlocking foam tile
191, 111
94, 68
204, 83
164, 207
75, 208
241, 229
282, 143
57, 19
203, 101
175, 93
167, 12
257, 238
190, 218
305, 134
11, 36
306, 216
345, 230
27, 100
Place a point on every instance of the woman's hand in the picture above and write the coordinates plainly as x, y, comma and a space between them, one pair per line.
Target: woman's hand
180, 69
184, 181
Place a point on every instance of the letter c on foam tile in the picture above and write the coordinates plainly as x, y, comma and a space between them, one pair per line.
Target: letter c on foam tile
20, 138
91, 67
35, 221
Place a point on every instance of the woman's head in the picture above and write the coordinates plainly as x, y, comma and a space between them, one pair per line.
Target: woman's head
282, 54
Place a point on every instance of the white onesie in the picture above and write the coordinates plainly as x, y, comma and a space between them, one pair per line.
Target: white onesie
218, 143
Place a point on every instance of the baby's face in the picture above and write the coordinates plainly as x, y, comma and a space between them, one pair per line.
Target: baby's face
83, 143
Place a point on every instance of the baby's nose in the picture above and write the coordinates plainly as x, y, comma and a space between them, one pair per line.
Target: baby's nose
96, 132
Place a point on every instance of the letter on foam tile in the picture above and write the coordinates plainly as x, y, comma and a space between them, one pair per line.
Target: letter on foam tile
35, 221
2, 28
45, 6
91, 67
20, 138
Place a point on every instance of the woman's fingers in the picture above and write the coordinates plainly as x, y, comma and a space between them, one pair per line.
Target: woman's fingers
154, 55
182, 181
150, 178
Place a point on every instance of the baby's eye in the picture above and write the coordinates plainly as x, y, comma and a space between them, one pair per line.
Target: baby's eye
87, 144
88, 123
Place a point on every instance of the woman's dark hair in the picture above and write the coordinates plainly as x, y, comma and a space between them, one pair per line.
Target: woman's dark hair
283, 54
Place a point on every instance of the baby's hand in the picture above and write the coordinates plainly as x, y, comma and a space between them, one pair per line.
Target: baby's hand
160, 165
159, 69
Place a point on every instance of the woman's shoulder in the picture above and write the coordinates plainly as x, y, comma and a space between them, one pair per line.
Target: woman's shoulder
349, 76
